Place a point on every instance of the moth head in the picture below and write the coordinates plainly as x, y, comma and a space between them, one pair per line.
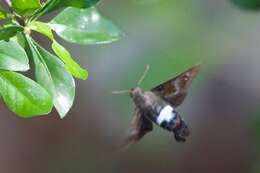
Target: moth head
181, 131
134, 92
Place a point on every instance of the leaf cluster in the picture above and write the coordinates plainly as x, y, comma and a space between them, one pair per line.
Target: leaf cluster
53, 85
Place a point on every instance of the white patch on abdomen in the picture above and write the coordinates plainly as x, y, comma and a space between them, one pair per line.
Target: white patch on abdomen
166, 114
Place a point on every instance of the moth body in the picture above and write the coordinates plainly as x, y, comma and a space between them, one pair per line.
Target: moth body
158, 106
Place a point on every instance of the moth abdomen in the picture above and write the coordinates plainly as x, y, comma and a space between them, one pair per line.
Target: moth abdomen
167, 118
181, 132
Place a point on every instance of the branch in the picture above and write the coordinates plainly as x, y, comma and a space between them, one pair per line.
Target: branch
8, 4
19, 19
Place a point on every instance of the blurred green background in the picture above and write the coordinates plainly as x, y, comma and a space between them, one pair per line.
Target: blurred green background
222, 108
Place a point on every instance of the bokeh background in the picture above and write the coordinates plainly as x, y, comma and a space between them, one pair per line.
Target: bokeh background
222, 108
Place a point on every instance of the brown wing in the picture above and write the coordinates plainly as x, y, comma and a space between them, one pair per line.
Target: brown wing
175, 90
139, 127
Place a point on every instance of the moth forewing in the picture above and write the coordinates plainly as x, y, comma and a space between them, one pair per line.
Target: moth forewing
175, 89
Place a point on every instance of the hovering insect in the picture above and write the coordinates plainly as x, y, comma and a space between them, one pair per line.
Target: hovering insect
159, 105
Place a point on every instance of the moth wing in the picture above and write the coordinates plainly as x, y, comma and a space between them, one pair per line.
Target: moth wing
175, 90
139, 127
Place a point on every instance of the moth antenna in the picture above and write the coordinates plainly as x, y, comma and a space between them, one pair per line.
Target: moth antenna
139, 82
120, 92
144, 75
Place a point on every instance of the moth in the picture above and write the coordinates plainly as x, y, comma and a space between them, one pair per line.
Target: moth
158, 106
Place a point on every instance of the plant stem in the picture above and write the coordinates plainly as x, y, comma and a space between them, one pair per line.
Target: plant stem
19, 19
8, 4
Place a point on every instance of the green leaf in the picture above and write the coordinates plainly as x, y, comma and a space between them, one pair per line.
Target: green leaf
24, 96
19, 39
42, 28
13, 57
2, 14
75, 3
52, 75
70, 64
52, 5
9, 31
60, 51
84, 26
247, 4
26, 7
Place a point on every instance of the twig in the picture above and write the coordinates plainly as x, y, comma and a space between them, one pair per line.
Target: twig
19, 19
8, 4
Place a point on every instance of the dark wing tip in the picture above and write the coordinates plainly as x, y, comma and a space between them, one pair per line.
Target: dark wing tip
195, 69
